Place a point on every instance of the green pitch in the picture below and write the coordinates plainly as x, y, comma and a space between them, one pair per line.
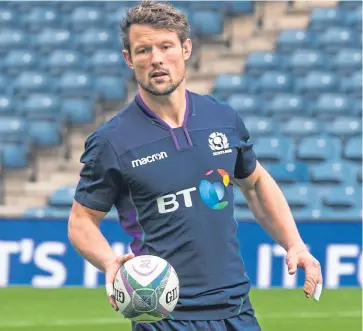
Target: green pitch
74, 309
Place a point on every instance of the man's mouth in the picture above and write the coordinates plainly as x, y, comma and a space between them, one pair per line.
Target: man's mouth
156, 74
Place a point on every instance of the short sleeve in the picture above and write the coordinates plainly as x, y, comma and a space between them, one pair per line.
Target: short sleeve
100, 180
246, 158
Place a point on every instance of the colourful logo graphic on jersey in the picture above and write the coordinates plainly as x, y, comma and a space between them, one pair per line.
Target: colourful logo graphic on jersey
213, 193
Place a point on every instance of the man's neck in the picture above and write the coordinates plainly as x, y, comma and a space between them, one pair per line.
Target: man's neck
171, 108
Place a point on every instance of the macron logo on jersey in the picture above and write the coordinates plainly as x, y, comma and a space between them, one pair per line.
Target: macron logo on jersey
149, 159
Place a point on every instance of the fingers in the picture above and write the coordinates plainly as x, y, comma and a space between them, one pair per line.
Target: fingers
291, 261
124, 258
112, 301
318, 287
312, 277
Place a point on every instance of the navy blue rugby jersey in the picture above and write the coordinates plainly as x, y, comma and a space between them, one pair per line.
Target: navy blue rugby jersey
172, 189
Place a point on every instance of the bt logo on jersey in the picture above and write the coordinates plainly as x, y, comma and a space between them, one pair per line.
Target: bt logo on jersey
210, 193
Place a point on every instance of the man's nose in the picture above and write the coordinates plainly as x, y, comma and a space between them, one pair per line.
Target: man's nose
157, 56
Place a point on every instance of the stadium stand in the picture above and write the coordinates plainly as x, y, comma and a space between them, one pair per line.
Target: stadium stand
292, 70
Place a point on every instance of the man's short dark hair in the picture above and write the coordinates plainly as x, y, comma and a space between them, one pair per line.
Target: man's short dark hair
158, 15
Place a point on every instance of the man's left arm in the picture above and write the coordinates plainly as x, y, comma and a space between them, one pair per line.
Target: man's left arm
272, 212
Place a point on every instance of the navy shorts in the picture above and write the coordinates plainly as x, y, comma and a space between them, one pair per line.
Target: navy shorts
242, 322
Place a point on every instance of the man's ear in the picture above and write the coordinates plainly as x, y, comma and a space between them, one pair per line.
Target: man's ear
187, 49
127, 57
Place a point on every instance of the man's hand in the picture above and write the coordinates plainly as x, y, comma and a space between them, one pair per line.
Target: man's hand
301, 258
111, 271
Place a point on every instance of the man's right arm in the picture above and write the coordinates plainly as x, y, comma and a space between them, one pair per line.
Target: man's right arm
85, 235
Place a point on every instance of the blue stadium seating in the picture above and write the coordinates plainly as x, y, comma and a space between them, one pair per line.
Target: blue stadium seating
107, 62
304, 60
84, 17
317, 149
75, 83
333, 173
32, 81
335, 38
62, 197
79, 110
207, 21
352, 85
347, 61
258, 62
40, 104
45, 132
245, 104
227, 84
111, 88
6, 105
321, 18
49, 39
260, 126
317, 82
344, 126
329, 105
12, 39
273, 149
292, 172
271, 82
94, 39
40, 17
298, 195
343, 197
61, 60
17, 61
301, 126
7, 17
114, 17
353, 149
291, 40
285, 105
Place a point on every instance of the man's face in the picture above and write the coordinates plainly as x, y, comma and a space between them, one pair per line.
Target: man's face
157, 58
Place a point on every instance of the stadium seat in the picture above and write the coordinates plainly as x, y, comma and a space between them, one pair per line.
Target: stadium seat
85, 17
94, 39
321, 18
274, 81
330, 105
107, 62
273, 149
40, 17
114, 17
347, 61
349, 5
304, 60
292, 172
359, 176
49, 39
11, 39
236, 8
291, 40
286, 105
344, 126
258, 62
47, 212
79, 110
333, 173
12, 128
111, 88
32, 81
207, 21
259, 126
8, 18
353, 149
345, 215
298, 195
227, 84
17, 61
45, 132
343, 197
334, 39
62, 197
75, 83
353, 19
6, 105
352, 85
63, 60
4, 84
300, 126
356, 110
315, 83
317, 149
39, 105
245, 104
15, 155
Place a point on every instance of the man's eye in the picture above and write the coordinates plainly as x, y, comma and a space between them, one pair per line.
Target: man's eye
141, 51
